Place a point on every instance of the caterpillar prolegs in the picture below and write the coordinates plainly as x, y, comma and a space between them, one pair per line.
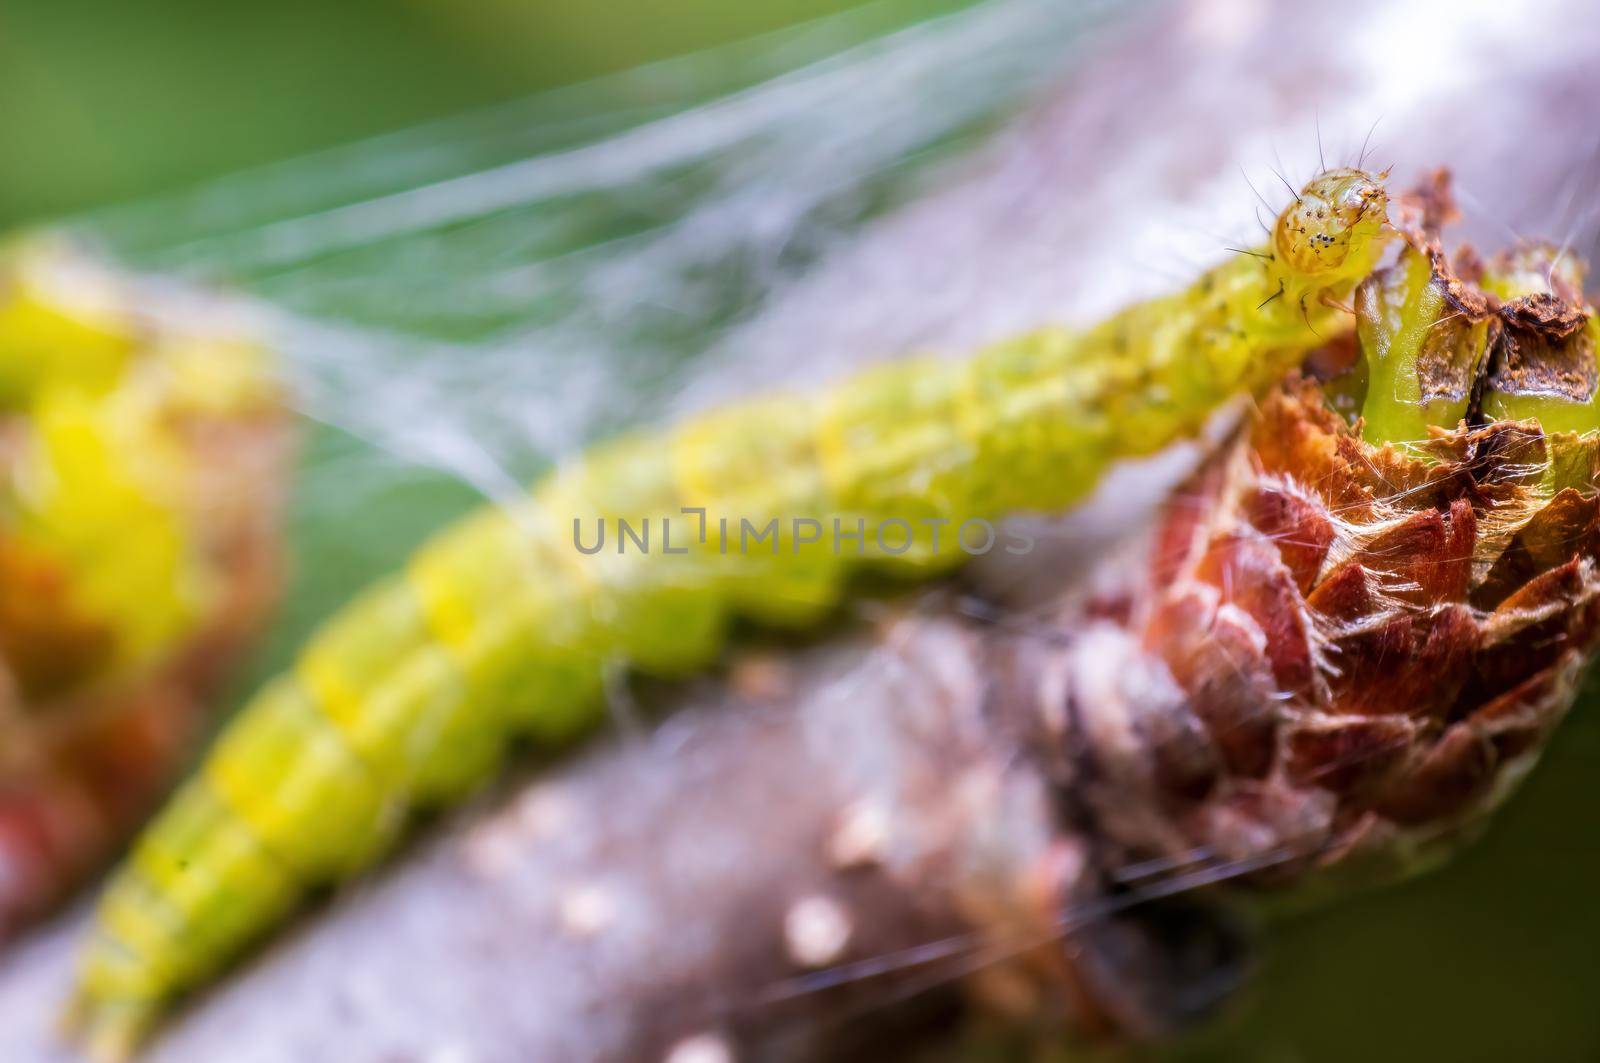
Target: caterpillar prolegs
506, 624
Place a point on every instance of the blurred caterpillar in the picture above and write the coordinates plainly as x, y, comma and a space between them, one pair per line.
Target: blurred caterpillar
504, 626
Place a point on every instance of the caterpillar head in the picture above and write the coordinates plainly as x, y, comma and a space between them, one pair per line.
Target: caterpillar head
1334, 229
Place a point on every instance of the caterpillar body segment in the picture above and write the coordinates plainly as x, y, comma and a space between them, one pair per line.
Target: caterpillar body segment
507, 623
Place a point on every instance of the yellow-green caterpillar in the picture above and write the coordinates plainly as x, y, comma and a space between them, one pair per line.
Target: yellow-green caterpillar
505, 624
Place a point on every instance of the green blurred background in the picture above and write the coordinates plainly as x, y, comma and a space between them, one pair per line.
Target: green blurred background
103, 101
1493, 958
